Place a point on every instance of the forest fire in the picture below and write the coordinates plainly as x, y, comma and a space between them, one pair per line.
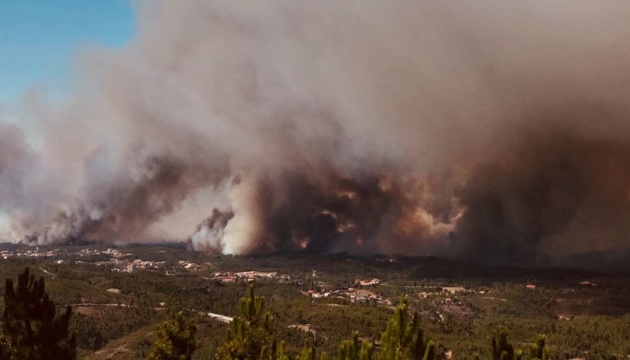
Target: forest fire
221, 128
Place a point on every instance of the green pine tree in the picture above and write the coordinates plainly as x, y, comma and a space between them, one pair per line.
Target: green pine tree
404, 338
309, 352
250, 334
354, 349
538, 350
175, 339
32, 328
501, 348
276, 352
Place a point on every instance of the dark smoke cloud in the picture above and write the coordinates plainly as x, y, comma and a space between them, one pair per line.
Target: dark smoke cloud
564, 194
486, 129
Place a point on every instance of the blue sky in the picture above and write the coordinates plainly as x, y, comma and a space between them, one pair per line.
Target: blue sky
39, 38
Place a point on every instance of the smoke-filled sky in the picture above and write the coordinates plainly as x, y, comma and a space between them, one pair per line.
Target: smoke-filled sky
485, 130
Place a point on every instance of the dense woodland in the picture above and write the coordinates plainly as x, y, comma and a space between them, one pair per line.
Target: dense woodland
579, 321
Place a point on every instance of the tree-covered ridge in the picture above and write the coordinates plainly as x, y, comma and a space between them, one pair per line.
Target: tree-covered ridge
592, 325
251, 336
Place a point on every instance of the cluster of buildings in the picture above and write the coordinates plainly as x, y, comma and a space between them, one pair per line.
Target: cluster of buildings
367, 282
129, 266
35, 252
362, 295
188, 265
445, 291
110, 252
351, 294
247, 276
121, 262
6, 254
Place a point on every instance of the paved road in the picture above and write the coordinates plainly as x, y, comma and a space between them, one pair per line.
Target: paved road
221, 318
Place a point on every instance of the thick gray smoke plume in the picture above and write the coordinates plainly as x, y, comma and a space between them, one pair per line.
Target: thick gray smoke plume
483, 129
